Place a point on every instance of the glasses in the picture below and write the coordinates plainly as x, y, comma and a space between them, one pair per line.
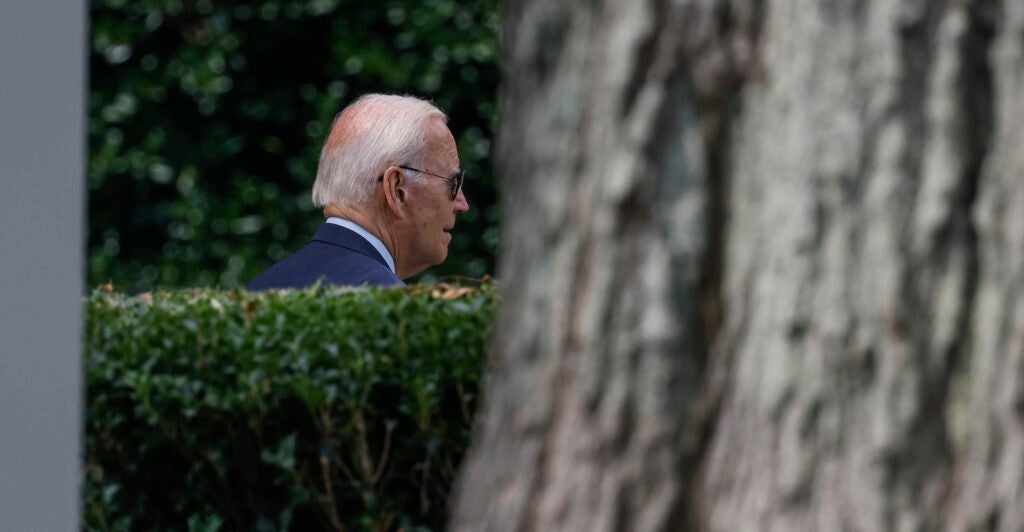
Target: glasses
455, 182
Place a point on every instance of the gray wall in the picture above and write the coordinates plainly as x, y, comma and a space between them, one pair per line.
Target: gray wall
42, 209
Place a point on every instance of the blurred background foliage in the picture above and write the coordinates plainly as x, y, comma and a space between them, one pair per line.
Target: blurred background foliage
206, 120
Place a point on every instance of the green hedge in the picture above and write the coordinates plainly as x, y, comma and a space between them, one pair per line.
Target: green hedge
320, 409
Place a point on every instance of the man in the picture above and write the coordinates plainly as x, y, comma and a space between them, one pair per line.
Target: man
390, 186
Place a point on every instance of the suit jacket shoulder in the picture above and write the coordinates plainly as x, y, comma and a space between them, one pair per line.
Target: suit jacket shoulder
336, 255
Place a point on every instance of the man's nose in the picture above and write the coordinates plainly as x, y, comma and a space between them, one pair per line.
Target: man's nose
461, 204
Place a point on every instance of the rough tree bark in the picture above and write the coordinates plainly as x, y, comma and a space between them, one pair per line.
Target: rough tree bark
763, 269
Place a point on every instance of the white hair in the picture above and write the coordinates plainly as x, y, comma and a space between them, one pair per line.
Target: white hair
371, 134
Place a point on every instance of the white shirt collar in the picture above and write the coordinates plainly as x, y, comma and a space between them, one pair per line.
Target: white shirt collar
370, 237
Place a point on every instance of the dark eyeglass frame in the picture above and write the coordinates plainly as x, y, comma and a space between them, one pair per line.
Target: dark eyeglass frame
455, 182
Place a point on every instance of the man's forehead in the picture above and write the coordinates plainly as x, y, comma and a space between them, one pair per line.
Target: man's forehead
440, 142
437, 125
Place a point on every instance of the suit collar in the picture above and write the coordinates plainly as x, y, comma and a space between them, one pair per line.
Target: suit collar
337, 235
368, 236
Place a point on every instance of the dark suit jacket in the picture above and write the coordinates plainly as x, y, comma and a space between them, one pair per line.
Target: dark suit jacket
337, 255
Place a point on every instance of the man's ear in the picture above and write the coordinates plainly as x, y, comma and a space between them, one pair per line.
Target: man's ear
396, 191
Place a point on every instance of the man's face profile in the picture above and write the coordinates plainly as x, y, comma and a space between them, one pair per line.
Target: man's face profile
431, 208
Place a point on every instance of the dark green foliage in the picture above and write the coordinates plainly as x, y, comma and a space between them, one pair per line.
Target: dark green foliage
226, 410
206, 120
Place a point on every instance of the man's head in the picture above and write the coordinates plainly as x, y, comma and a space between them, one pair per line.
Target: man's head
390, 164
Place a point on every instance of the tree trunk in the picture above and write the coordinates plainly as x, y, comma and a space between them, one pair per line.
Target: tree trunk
763, 269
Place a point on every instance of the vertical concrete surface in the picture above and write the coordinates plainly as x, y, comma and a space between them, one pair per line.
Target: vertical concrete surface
43, 46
